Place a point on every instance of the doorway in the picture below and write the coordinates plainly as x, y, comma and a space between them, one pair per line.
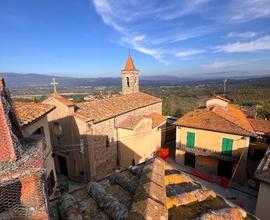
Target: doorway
190, 159
225, 169
63, 165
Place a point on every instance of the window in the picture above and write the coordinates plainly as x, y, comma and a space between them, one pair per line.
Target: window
128, 82
227, 145
39, 131
135, 79
107, 142
190, 139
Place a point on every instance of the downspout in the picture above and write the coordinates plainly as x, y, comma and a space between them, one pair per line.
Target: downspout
117, 145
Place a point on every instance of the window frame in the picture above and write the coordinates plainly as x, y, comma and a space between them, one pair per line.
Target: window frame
187, 135
232, 146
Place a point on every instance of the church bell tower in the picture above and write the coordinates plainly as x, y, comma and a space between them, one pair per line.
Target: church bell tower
130, 78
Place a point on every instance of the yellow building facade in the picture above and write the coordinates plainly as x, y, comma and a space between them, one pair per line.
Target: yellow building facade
214, 139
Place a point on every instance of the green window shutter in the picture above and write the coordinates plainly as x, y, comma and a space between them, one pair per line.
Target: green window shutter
190, 139
227, 145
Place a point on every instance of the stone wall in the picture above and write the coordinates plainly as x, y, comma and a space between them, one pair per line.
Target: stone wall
103, 159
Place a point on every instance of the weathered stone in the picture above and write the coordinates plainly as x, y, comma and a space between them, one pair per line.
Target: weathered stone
63, 184
107, 202
223, 214
136, 170
126, 183
69, 207
148, 209
190, 197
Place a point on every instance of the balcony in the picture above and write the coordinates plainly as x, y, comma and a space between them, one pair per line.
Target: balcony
208, 153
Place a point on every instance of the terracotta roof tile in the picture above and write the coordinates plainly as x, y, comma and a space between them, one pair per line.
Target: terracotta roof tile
222, 98
6, 144
260, 125
103, 109
157, 118
28, 112
152, 197
218, 119
129, 64
62, 99
130, 122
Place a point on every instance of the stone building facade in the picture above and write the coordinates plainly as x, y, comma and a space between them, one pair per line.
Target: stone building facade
130, 78
84, 135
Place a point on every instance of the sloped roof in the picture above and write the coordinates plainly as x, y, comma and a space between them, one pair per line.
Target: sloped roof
103, 109
221, 98
260, 125
157, 118
129, 122
152, 190
62, 99
28, 112
129, 64
263, 170
216, 118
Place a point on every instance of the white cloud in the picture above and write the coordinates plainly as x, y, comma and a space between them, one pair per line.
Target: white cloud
244, 35
139, 37
262, 43
187, 53
186, 7
220, 65
123, 15
246, 10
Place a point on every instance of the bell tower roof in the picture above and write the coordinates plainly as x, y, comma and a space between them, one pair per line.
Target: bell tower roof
129, 64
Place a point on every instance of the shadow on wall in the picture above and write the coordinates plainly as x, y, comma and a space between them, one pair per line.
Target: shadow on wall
84, 157
216, 165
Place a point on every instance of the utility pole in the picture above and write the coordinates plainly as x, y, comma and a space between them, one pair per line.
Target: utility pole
224, 87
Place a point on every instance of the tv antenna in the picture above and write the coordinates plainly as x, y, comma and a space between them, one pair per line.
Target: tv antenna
224, 87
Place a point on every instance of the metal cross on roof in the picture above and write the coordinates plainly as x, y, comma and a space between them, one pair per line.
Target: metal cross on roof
54, 83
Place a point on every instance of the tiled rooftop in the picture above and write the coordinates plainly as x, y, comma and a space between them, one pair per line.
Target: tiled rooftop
153, 190
28, 112
131, 121
260, 125
157, 119
103, 109
62, 99
218, 119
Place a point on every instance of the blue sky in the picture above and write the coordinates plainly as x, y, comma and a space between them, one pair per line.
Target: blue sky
92, 37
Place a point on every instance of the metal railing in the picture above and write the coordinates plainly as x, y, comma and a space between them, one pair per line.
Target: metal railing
208, 153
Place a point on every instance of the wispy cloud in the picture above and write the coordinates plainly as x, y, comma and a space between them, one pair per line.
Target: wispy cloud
183, 8
187, 53
123, 15
246, 10
262, 43
220, 65
244, 35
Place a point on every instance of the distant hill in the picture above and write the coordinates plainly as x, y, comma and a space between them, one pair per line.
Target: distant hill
16, 80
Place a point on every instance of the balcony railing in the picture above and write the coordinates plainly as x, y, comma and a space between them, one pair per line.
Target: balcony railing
208, 153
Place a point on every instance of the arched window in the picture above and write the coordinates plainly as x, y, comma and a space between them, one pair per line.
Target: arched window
128, 82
